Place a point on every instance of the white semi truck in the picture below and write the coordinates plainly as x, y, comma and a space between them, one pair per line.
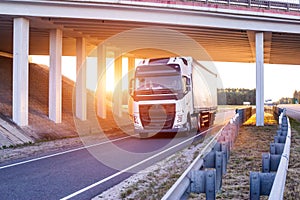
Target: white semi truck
175, 94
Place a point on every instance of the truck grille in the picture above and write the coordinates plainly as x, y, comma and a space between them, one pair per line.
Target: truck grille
157, 116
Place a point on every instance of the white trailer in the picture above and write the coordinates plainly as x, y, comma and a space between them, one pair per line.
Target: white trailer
174, 94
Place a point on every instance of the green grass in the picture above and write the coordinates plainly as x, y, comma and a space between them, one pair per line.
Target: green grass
295, 125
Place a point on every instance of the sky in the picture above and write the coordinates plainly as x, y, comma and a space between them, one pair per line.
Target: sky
280, 80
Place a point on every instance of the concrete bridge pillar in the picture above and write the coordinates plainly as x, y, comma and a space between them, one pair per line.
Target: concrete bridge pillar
131, 68
81, 98
117, 95
55, 76
259, 46
101, 89
20, 71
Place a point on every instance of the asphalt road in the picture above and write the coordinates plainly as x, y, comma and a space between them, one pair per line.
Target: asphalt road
58, 176
292, 110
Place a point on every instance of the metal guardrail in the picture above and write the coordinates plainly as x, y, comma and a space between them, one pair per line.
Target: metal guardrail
215, 155
265, 4
279, 182
286, 5
271, 181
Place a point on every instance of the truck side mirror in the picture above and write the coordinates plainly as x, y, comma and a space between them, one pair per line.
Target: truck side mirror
131, 87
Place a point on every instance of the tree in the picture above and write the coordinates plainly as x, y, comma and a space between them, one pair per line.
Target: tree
236, 96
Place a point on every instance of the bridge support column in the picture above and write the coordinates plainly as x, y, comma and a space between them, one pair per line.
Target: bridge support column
131, 67
55, 76
20, 71
117, 95
81, 98
259, 46
101, 89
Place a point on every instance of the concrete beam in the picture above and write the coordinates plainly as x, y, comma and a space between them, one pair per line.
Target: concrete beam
55, 76
189, 15
5, 54
81, 98
101, 89
267, 46
259, 44
20, 71
251, 39
117, 94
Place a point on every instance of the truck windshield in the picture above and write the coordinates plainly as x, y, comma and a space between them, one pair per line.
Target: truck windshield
171, 84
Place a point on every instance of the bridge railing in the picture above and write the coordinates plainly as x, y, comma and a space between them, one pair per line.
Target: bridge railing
265, 4
285, 5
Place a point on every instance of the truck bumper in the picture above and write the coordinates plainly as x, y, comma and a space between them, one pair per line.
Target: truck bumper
154, 131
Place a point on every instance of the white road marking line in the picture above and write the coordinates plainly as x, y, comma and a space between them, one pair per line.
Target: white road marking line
127, 169
61, 153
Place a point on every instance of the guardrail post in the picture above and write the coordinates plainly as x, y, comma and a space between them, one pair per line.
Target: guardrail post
260, 184
204, 181
198, 181
265, 162
241, 116
219, 169
254, 186
266, 183
214, 159
225, 150
270, 162
279, 139
211, 184
276, 148
281, 133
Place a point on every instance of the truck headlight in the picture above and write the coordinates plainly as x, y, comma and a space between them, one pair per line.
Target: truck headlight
179, 118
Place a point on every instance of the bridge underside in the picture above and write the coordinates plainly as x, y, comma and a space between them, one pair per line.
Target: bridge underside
226, 45
76, 29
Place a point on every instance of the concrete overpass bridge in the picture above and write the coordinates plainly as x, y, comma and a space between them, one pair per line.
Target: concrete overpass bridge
229, 30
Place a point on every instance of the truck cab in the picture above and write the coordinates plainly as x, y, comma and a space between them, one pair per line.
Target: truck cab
163, 96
